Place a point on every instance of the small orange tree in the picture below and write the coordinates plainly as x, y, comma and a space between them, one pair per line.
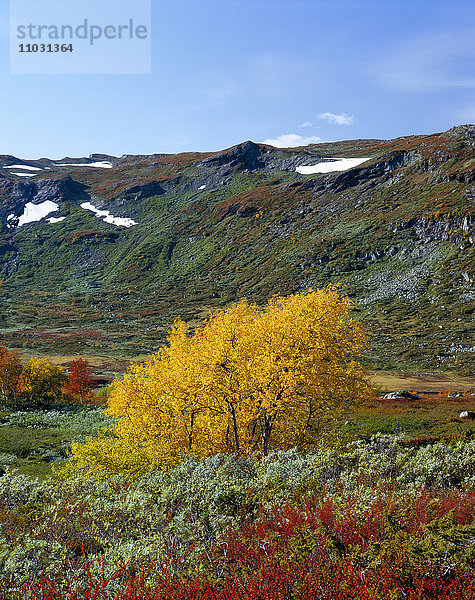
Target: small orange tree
10, 373
79, 383
248, 380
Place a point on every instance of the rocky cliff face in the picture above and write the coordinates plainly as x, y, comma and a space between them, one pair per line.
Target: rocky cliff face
122, 245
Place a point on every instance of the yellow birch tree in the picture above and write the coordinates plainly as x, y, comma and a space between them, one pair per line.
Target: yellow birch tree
248, 380
41, 382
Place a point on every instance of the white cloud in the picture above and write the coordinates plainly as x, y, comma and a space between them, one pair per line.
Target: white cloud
292, 140
341, 119
307, 124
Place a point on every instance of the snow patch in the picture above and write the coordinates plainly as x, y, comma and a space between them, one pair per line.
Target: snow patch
27, 167
120, 221
339, 164
108, 218
36, 212
202, 187
10, 223
98, 165
56, 219
24, 174
98, 213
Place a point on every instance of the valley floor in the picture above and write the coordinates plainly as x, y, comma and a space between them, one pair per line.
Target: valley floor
434, 382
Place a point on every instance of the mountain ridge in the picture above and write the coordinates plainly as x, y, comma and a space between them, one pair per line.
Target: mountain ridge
396, 233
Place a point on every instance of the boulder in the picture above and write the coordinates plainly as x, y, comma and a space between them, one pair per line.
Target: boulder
401, 394
467, 414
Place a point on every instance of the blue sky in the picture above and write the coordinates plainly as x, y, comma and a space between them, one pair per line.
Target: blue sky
224, 71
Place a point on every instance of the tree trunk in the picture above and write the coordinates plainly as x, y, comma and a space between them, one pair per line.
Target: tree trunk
266, 431
235, 430
190, 437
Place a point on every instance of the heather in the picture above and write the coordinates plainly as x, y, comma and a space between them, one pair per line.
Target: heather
366, 521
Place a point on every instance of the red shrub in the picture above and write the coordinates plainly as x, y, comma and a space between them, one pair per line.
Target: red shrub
311, 551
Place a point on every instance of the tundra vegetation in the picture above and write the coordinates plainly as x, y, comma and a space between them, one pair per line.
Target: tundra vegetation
246, 459
39, 383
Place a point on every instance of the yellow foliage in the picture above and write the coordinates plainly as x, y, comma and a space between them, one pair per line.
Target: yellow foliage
248, 380
41, 381
102, 456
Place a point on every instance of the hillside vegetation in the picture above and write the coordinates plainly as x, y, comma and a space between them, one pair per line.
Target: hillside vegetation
396, 233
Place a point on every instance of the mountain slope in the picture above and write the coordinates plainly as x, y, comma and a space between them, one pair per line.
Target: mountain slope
128, 244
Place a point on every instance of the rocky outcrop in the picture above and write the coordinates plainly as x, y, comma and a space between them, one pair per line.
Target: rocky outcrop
401, 395
7, 160
103, 158
22, 192
140, 192
370, 174
41, 190
251, 156
465, 132
243, 156
458, 230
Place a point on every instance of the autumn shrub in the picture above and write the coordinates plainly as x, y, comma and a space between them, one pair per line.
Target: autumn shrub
10, 373
79, 384
329, 582
376, 503
249, 380
417, 547
40, 383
